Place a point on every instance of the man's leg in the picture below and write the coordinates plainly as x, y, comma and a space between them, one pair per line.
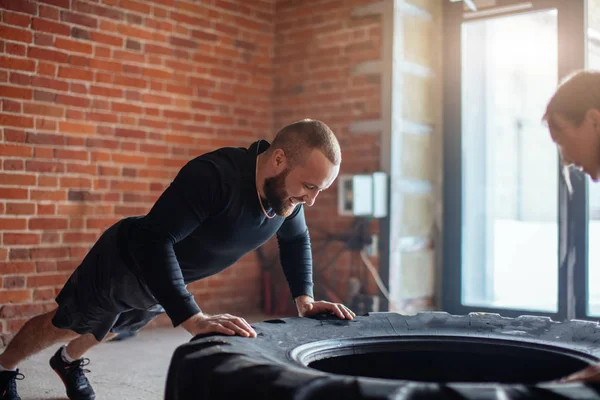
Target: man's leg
37, 334
79, 346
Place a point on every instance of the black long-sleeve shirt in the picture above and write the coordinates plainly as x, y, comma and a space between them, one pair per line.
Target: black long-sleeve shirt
205, 221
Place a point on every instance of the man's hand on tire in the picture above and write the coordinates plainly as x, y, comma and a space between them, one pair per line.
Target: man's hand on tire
589, 374
307, 307
221, 323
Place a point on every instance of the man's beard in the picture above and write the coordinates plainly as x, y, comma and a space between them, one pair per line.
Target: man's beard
277, 197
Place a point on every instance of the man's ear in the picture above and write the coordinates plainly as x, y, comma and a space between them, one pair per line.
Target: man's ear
279, 160
593, 115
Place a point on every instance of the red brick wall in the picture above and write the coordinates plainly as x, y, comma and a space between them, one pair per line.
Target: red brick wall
317, 48
101, 103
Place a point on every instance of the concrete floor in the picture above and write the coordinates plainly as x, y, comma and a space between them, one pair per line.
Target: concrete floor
132, 369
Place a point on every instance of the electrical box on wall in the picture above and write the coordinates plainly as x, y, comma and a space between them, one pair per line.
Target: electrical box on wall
363, 195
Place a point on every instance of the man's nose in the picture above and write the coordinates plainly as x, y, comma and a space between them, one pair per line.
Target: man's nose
310, 198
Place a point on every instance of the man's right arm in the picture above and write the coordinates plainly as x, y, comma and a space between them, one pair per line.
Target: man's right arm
197, 192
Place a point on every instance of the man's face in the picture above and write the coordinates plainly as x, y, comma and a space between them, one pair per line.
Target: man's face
579, 146
300, 184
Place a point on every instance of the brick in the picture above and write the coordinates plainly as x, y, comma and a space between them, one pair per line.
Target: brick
16, 19
49, 12
16, 49
44, 166
207, 36
43, 25
110, 40
45, 266
75, 73
48, 55
13, 194
125, 108
46, 195
58, 3
101, 117
134, 19
50, 83
16, 120
79, 183
82, 195
90, 169
14, 224
16, 92
17, 64
44, 96
47, 223
14, 296
132, 69
41, 152
130, 133
99, 156
101, 51
11, 106
23, 6
80, 61
43, 39
75, 101
45, 124
21, 238
135, 6
14, 135
133, 44
67, 265
37, 281
47, 181
79, 33
17, 179
78, 19
106, 65
129, 56
43, 294
19, 209
127, 31
46, 209
12, 150
151, 98
65, 154
181, 42
15, 34
91, 9
13, 165
16, 267
130, 82
156, 49
73, 46
46, 69
76, 128
20, 79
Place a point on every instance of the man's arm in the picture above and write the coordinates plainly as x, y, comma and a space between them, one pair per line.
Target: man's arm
196, 192
296, 261
295, 254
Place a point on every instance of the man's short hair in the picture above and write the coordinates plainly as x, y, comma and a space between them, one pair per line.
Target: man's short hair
298, 139
576, 94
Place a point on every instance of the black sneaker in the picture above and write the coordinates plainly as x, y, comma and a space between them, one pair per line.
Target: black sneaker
73, 376
8, 385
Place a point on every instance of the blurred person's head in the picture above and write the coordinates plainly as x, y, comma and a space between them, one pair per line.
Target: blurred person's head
573, 118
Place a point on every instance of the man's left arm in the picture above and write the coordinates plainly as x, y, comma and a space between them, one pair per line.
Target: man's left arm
296, 260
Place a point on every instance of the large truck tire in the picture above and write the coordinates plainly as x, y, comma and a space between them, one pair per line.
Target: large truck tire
385, 355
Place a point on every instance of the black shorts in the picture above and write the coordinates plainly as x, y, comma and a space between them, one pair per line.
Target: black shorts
103, 294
